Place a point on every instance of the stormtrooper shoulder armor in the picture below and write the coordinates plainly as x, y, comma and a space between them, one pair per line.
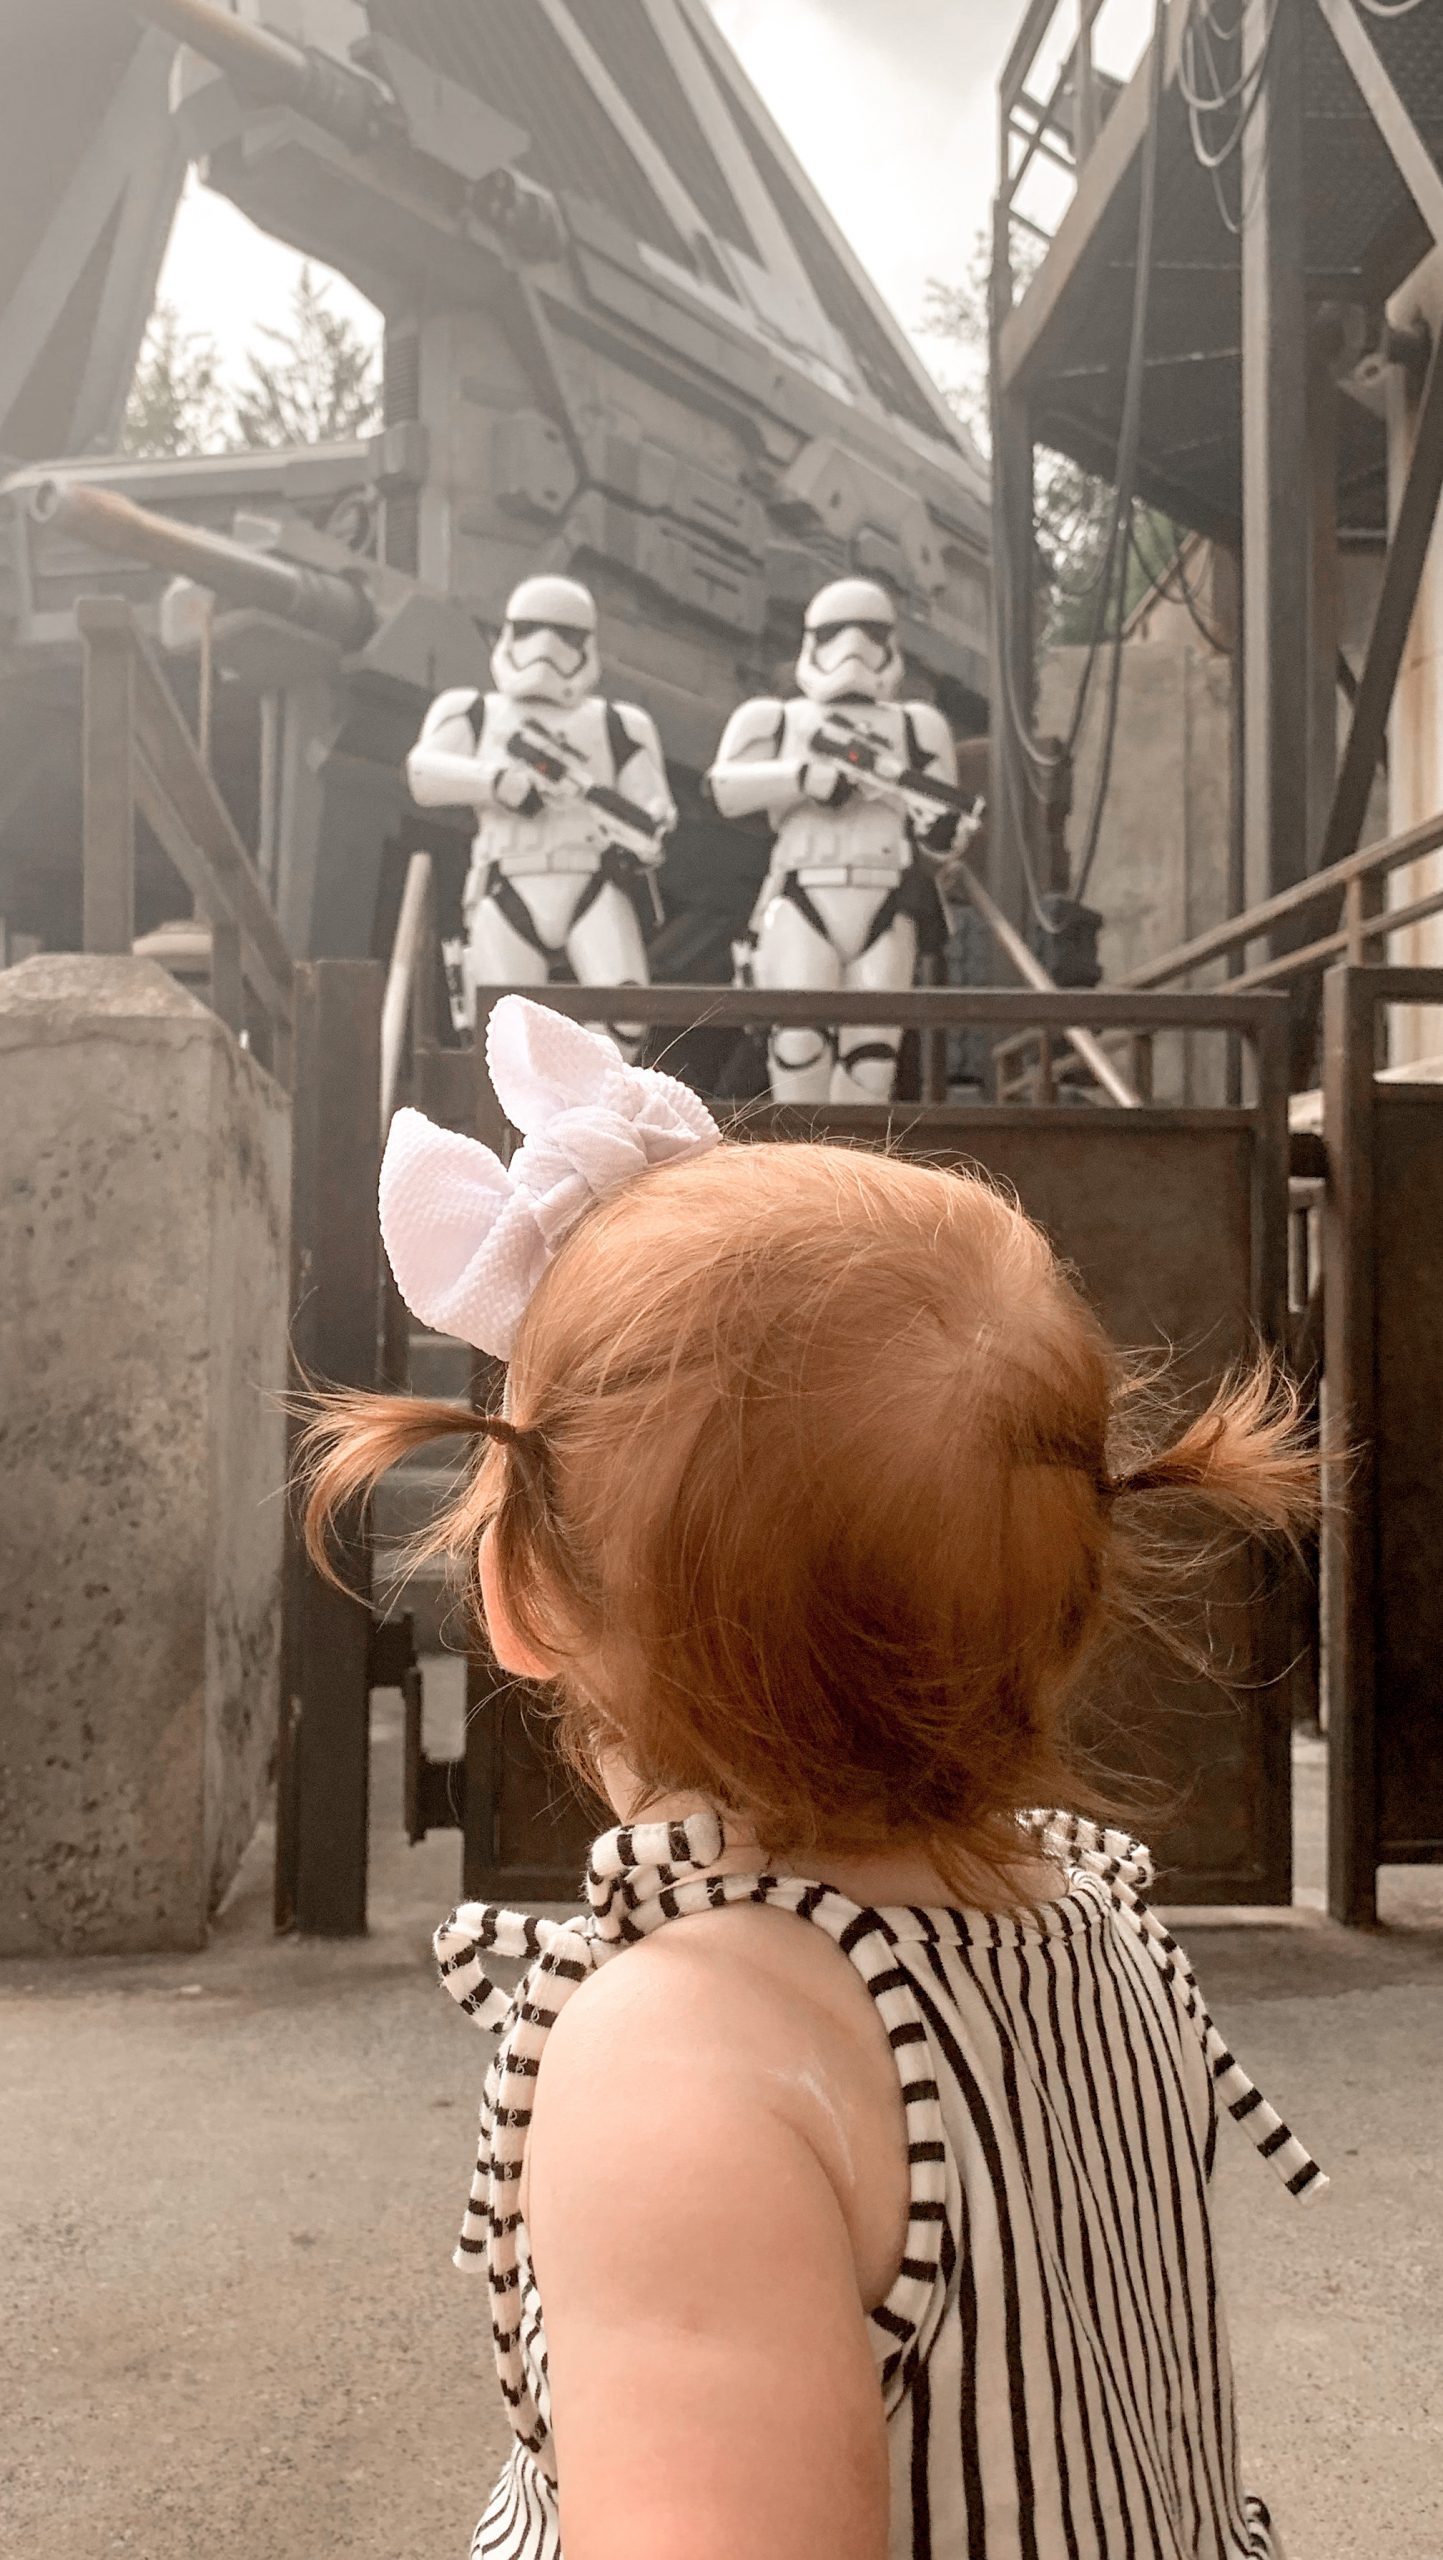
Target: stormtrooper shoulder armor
462, 711
638, 762
935, 743
753, 774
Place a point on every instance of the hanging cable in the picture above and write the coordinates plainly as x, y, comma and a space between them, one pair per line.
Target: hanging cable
1129, 438
1391, 8
1184, 593
1244, 93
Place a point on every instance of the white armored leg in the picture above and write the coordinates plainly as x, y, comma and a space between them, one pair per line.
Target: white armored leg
866, 1069
605, 949
791, 953
497, 954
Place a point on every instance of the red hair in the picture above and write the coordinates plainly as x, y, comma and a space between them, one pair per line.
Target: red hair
814, 1495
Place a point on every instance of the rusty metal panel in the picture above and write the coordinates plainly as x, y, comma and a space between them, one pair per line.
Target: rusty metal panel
529, 1822
1173, 1225
1159, 1214
1408, 1469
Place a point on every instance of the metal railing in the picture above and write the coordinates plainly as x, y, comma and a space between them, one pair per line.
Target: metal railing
1057, 1015
408, 1010
1059, 127
1351, 894
1351, 891
140, 761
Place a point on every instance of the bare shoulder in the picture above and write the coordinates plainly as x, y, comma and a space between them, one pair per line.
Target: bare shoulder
732, 2045
713, 2383
735, 1983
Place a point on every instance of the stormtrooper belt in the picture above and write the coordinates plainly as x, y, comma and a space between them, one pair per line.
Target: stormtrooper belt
571, 862
847, 875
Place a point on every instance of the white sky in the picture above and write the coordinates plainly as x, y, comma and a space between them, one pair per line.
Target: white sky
890, 105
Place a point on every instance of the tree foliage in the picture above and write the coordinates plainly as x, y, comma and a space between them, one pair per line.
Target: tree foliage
1072, 510
319, 382
313, 382
177, 403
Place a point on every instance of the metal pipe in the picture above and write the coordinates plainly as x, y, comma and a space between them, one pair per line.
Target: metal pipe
320, 600
269, 67
410, 952
1028, 967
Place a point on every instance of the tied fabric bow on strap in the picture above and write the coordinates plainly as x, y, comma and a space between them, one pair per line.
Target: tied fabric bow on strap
469, 1237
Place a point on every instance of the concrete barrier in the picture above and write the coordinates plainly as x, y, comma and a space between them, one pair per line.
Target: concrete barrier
144, 1190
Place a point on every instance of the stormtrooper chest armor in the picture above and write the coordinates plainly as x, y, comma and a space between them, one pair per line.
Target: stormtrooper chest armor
861, 831
564, 834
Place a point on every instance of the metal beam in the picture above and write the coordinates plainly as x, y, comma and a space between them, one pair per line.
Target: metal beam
1410, 154
1277, 536
1325, 604
129, 175
1392, 619
1021, 339
1013, 785
1030, 969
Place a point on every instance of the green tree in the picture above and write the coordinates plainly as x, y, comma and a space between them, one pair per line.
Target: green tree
1073, 509
176, 404
319, 381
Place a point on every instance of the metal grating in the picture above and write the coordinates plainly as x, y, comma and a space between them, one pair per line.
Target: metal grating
1362, 235
621, 32
510, 56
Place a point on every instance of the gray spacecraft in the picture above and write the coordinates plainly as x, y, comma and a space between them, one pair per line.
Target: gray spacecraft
622, 338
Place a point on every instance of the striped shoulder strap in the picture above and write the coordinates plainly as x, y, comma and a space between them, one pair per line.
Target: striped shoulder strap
1126, 1870
640, 1877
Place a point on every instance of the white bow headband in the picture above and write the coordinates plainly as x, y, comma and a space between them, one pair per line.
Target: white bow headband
468, 1237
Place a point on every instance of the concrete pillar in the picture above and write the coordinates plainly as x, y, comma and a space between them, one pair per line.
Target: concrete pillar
144, 1188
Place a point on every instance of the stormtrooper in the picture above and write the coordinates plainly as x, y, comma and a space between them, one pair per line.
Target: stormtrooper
860, 790
571, 799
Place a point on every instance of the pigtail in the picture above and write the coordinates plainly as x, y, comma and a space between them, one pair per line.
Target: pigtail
1247, 1457
353, 1439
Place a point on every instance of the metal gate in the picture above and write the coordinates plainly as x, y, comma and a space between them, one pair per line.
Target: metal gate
1176, 1221
1383, 1369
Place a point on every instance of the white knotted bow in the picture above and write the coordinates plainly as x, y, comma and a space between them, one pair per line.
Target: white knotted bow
469, 1237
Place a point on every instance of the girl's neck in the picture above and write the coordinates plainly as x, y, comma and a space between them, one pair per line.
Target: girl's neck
888, 1878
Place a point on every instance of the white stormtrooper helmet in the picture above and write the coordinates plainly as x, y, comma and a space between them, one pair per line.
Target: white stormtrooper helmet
849, 646
547, 651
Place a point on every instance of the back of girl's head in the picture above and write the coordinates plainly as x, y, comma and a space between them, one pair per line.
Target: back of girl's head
807, 1493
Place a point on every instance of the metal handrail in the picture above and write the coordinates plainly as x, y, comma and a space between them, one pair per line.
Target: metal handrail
412, 953
139, 758
1034, 122
1350, 882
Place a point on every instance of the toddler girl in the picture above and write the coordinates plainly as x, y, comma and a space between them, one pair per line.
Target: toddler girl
886, 2234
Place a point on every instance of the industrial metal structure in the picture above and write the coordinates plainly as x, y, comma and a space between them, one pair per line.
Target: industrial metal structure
1231, 310
1210, 325
621, 338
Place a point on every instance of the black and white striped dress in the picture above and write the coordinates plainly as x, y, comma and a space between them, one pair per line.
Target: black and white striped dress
1052, 2356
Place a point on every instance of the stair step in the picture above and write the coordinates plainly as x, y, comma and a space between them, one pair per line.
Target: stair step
428, 1597
407, 1500
440, 1367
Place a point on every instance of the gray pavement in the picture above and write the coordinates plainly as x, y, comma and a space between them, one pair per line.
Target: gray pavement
230, 2185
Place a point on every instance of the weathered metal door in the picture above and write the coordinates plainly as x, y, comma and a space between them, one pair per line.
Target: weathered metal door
1175, 1220
1383, 1300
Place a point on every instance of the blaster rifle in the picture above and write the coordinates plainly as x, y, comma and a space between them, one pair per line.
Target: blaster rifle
554, 762
873, 766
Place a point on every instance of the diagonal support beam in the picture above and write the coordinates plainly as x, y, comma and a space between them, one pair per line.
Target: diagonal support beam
1392, 620
1414, 161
